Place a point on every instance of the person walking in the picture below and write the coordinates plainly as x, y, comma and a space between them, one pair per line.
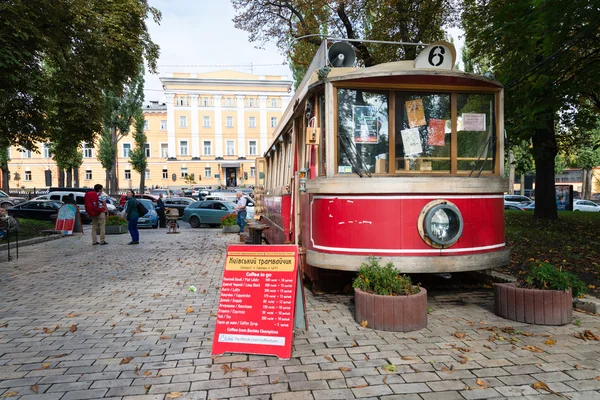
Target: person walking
132, 216
160, 210
97, 210
240, 208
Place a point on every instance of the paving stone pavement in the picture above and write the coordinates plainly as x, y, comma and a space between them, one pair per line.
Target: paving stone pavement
86, 322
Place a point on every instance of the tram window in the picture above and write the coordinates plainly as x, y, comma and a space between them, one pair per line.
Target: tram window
476, 139
323, 144
422, 132
362, 131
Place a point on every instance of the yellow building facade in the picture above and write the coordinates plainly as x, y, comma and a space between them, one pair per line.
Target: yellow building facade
212, 125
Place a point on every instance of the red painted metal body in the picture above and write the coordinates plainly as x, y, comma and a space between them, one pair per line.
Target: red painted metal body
278, 216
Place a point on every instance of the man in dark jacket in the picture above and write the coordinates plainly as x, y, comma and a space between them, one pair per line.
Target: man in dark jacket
160, 210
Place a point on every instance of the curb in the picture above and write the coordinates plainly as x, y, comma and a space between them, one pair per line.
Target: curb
29, 242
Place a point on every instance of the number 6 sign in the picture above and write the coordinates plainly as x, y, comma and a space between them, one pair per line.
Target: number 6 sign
438, 55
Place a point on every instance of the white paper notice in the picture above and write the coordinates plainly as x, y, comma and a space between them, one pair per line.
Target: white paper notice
412, 142
473, 122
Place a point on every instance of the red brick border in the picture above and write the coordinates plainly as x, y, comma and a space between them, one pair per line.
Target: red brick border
391, 313
533, 306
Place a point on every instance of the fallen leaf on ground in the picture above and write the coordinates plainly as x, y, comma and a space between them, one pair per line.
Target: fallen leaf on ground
597, 378
543, 386
407, 358
155, 295
533, 349
212, 314
46, 366
227, 368
126, 360
146, 310
364, 324
48, 330
550, 342
189, 310
361, 386
448, 370
164, 337
328, 358
275, 381
345, 369
354, 344
72, 315
480, 382
463, 359
73, 328
174, 395
4, 325
587, 335
464, 349
385, 379
389, 368
34, 388
248, 370
367, 358
147, 387
147, 373
59, 356
459, 335
9, 394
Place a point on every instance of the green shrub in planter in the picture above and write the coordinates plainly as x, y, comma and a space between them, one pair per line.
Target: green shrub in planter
229, 220
545, 276
384, 281
115, 220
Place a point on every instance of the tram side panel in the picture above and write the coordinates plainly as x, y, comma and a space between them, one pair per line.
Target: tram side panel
277, 216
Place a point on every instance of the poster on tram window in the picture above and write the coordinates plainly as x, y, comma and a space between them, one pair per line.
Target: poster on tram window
437, 132
416, 113
412, 142
365, 124
473, 122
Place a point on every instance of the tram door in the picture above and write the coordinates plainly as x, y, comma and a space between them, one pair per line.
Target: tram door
231, 176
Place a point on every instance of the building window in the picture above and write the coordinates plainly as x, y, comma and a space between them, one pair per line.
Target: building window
207, 172
165, 174
207, 148
252, 122
252, 172
87, 150
251, 102
206, 122
147, 174
229, 122
252, 148
230, 148
184, 172
183, 101
273, 122
28, 176
274, 102
206, 102
228, 102
128, 174
147, 149
183, 148
88, 175
46, 153
26, 154
164, 150
146, 125
126, 149
163, 124
183, 121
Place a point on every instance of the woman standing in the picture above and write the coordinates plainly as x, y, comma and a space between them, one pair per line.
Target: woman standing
132, 216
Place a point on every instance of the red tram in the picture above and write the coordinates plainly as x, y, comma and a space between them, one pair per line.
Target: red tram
402, 161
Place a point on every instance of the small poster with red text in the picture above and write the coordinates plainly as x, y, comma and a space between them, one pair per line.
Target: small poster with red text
65, 220
258, 297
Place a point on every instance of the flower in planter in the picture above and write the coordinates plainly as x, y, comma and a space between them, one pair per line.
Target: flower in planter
384, 281
115, 220
545, 276
229, 220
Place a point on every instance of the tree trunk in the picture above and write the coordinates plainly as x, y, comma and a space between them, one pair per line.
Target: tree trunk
69, 177
76, 177
522, 184
114, 181
107, 183
544, 153
61, 177
142, 182
587, 184
5, 180
511, 172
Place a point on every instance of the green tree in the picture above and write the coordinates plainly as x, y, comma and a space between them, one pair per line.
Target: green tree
58, 56
137, 156
68, 158
119, 115
285, 21
4, 160
547, 55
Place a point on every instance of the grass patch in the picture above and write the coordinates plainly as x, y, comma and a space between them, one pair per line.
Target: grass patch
30, 228
570, 243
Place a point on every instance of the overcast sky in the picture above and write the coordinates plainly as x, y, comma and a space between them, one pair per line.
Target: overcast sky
199, 36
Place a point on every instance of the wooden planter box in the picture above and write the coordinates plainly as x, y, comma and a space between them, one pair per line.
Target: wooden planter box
391, 313
114, 229
231, 229
533, 306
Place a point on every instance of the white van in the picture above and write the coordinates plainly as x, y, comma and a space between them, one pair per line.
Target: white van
79, 200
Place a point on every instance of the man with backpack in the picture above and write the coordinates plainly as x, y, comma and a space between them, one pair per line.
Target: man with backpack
97, 211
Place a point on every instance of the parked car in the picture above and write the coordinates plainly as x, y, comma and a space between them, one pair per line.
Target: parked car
207, 212
585, 205
165, 192
515, 199
513, 207
232, 197
43, 210
8, 201
150, 220
60, 196
529, 207
179, 203
138, 196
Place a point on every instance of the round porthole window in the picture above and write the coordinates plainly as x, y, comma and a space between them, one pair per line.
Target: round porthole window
440, 224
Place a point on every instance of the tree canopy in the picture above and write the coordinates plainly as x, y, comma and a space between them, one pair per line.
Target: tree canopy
58, 56
284, 22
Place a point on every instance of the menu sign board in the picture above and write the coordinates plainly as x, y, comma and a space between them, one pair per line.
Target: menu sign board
258, 297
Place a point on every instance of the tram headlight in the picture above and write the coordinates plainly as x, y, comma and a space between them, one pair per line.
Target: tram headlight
440, 224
